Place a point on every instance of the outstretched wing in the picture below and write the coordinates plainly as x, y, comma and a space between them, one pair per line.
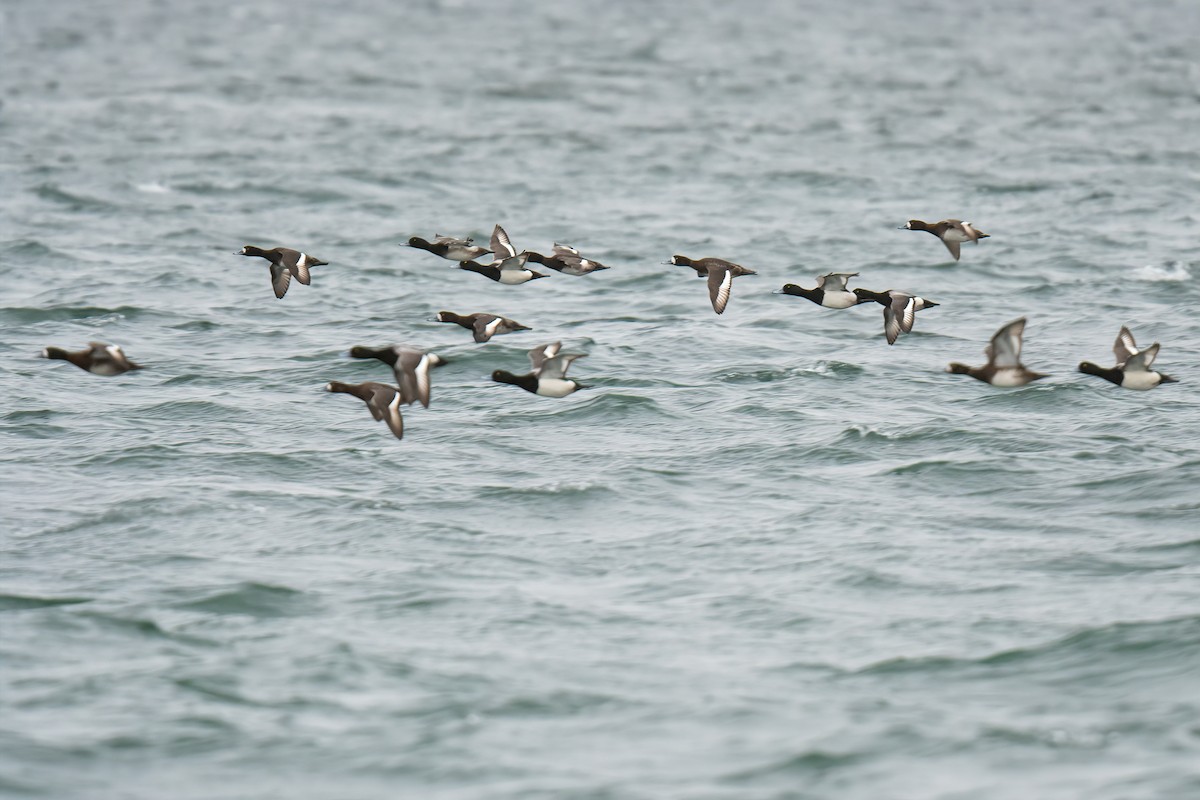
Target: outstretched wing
952, 246
835, 281
539, 355
515, 262
555, 368
485, 327
1142, 360
1005, 348
1125, 346
891, 324
904, 306
565, 250
281, 276
413, 373
384, 403
501, 245
720, 282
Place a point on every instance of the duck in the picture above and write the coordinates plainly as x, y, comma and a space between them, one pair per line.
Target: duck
98, 359
899, 310
1004, 367
952, 232
286, 263
830, 292
720, 274
410, 367
548, 372
483, 326
1133, 366
448, 247
567, 260
508, 267
382, 400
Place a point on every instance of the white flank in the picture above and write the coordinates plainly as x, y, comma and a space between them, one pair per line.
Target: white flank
555, 387
839, 299
1008, 378
1140, 381
512, 277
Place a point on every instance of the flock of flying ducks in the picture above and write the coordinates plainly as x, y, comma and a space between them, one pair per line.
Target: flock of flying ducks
548, 365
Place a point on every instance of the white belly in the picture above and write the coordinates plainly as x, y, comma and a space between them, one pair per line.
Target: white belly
555, 387
839, 299
514, 276
1007, 378
1140, 381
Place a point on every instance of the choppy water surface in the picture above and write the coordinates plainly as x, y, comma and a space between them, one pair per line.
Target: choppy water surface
765, 556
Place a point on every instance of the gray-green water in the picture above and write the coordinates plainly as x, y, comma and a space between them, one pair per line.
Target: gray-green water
765, 556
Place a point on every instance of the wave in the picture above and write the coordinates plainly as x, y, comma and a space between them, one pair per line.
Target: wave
16, 602
801, 766
1101, 648
28, 315
255, 600
77, 202
1171, 271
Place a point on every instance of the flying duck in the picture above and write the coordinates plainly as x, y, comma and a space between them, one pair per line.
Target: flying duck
566, 259
483, 326
382, 400
285, 263
720, 274
508, 266
410, 366
831, 291
1133, 366
952, 232
1004, 367
548, 373
899, 310
448, 247
98, 359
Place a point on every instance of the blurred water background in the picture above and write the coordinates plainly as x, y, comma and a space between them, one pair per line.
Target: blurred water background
764, 556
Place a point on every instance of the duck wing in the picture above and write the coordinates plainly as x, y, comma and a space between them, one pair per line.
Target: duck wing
1124, 347
555, 368
502, 246
281, 277
1005, 347
720, 282
835, 281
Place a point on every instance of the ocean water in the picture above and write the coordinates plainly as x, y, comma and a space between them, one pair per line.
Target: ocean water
764, 556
